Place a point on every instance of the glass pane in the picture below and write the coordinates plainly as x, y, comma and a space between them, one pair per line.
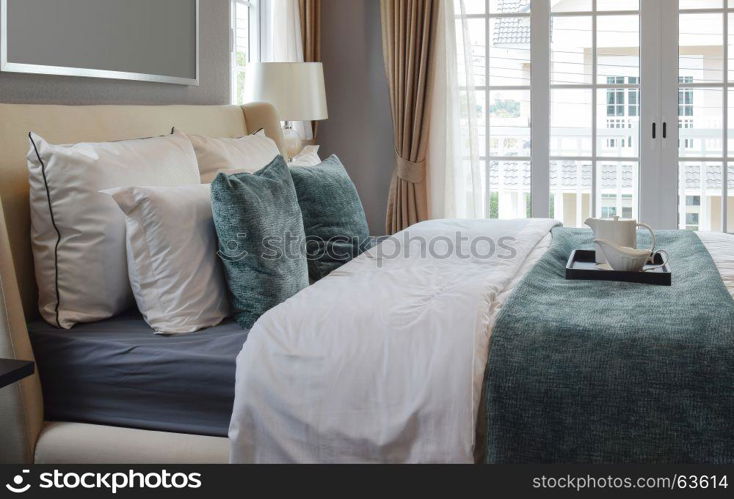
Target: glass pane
509, 189
701, 4
618, 121
471, 6
617, 5
730, 200
730, 120
240, 88
509, 122
701, 48
509, 53
570, 197
241, 49
617, 185
470, 201
571, 118
475, 35
571, 58
700, 124
700, 196
731, 47
477, 101
570, 5
618, 47
508, 6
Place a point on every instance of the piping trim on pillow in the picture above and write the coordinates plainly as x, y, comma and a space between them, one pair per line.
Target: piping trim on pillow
53, 222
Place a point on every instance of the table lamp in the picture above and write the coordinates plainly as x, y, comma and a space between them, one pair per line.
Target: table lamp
297, 91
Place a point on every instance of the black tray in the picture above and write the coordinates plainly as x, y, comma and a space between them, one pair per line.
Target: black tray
582, 266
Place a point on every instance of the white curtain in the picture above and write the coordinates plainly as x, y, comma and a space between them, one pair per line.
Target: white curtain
456, 181
282, 42
282, 32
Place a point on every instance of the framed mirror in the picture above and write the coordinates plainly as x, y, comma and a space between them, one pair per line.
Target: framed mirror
144, 40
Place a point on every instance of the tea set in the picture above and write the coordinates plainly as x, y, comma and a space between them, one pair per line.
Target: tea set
615, 241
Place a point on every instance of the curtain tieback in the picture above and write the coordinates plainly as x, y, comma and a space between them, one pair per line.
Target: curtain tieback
411, 171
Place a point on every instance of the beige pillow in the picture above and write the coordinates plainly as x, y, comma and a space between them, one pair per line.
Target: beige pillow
250, 154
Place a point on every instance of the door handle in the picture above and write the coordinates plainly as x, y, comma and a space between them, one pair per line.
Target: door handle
665, 129
654, 130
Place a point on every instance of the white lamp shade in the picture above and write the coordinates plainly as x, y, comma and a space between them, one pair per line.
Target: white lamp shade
296, 89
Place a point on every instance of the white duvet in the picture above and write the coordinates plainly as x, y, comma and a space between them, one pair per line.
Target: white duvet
383, 361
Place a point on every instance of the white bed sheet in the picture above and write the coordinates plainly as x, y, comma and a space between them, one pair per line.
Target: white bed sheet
382, 361
721, 248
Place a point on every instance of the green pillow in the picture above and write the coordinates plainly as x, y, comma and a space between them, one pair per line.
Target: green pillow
260, 233
333, 216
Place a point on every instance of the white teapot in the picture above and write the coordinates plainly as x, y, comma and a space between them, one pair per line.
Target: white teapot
618, 232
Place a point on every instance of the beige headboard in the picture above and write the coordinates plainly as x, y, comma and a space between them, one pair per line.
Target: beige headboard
21, 410
70, 124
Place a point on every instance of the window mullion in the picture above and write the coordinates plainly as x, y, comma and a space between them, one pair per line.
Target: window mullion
725, 144
540, 97
487, 137
594, 65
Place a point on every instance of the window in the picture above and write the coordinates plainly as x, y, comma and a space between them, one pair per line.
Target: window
706, 114
634, 97
616, 97
595, 90
685, 97
245, 34
609, 205
693, 200
622, 103
500, 36
613, 100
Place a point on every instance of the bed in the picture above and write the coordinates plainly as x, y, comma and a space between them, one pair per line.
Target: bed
337, 386
27, 437
321, 378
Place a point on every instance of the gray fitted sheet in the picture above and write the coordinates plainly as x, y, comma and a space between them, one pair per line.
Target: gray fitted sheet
117, 372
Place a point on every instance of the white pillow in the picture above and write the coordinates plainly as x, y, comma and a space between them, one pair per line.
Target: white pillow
78, 234
172, 261
250, 154
309, 156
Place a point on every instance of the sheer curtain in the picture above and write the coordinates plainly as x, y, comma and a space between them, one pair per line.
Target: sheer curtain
456, 180
282, 29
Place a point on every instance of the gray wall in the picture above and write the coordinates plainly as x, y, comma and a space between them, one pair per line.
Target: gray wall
359, 129
213, 67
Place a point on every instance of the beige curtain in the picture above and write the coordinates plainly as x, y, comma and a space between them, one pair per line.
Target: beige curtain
311, 29
310, 11
408, 40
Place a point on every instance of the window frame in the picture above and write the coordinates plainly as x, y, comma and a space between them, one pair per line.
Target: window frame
662, 101
724, 160
254, 40
540, 88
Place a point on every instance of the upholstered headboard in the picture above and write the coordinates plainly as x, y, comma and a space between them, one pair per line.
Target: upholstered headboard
21, 411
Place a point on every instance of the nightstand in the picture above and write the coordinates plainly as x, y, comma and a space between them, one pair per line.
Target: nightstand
14, 370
